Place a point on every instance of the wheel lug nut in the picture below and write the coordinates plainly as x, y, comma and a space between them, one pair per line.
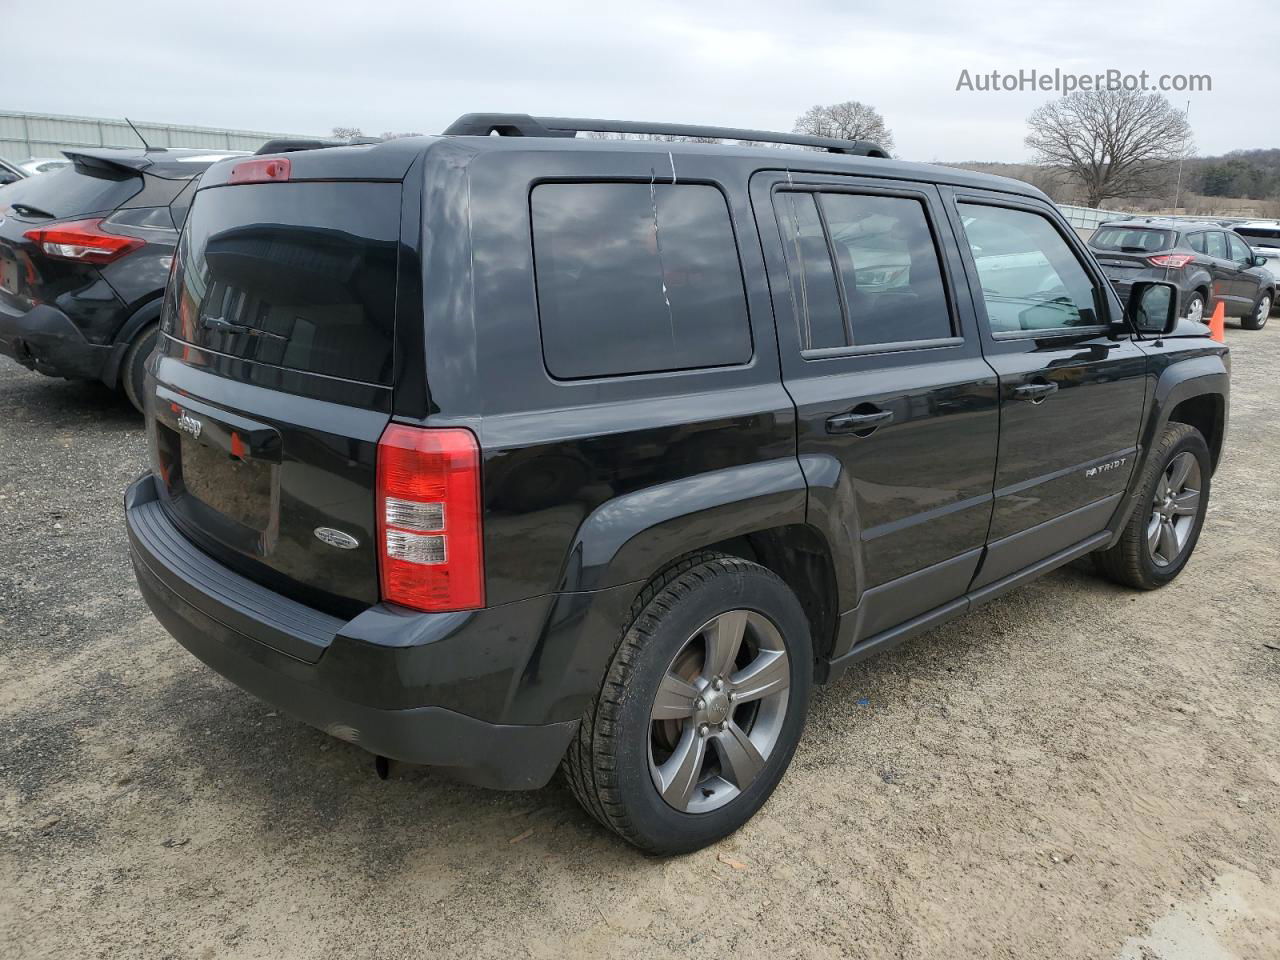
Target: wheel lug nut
699, 704
717, 683
703, 729
732, 696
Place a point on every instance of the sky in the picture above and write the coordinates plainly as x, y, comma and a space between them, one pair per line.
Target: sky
305, 66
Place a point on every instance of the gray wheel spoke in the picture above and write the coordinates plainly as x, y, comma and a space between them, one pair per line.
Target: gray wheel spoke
767, 674
675, 699
740, 761
1168, 541
680, 774
1178, 471
724, 639
1186, 503
1154, 526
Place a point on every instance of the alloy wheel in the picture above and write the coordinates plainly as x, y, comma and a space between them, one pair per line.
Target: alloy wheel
719, 711
1195, 309
1173, 509
1264, 311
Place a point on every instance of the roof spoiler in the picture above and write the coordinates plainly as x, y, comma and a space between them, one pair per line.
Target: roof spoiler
294, 144
109, 160
523, 125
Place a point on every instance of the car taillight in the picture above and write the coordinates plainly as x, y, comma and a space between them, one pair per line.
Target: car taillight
429, 520
260, 170
1175, 260
83, 241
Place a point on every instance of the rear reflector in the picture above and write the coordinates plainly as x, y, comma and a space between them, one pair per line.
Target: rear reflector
429, 520
260, 170
83, 241
1175, 260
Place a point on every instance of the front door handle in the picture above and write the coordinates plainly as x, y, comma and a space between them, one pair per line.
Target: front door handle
1034, 392
860, 423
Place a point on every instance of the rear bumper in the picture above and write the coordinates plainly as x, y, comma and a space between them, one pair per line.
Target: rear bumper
356, 680
45, 340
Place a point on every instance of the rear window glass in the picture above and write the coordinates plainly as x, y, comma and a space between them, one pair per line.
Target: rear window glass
296, 275
74, 190
634, 278
1260, 233
1131, 240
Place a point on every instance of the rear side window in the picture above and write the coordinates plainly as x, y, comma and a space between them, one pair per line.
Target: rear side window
864, 269
1130, 240
1196, 242
74, 190
295, 275
634, 278
1031, 279
1216, 245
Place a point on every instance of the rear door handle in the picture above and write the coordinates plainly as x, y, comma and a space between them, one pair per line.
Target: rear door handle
1034, 392
858, 422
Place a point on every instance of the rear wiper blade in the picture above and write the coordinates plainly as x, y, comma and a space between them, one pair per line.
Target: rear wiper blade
220, 325
26, 210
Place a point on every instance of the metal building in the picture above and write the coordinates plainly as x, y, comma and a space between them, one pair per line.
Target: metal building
24, 135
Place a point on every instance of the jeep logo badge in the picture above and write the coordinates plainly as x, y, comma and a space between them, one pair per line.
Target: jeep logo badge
189, 424
336, 538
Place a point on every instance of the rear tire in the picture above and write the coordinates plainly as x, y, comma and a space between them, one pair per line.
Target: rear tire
1161, 534
1261, 311
1195, 307
739, 739
133, 370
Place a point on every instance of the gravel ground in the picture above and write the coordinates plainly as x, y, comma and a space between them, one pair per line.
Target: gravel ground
1076, 770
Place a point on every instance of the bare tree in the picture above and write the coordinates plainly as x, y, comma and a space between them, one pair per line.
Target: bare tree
346, 133
851, 120
1116, 143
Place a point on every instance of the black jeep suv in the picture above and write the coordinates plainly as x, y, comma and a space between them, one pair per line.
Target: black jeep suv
84, 255
507, 453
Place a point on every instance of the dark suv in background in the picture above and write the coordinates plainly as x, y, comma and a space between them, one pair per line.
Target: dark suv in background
1207, 262
504, 453
84, 255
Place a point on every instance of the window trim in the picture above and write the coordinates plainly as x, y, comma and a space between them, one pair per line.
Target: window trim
948, 283
641, 181
1100, 284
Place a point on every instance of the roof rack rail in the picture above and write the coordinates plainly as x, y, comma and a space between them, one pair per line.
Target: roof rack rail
523, 125
294, 144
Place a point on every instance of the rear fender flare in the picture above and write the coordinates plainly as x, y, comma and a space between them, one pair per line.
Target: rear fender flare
148, 313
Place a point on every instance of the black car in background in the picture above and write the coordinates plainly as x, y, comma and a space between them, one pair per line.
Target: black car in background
84, 255
1208, 264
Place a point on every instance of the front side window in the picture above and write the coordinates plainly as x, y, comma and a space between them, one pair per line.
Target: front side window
864, 269
637, 278
1239, 249
1031, 279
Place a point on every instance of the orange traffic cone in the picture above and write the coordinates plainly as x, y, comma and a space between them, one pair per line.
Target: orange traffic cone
1218, 323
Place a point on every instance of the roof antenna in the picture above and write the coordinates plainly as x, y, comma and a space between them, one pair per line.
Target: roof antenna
145, 145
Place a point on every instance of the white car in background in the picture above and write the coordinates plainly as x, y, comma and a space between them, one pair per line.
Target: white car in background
1263, 237
38, 165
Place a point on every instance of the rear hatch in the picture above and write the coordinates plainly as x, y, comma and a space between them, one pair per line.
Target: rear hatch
273, 382
82, 191
1124, 252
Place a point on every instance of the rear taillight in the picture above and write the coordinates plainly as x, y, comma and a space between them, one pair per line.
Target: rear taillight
429, 525
1175, 260
83, 241
260, 170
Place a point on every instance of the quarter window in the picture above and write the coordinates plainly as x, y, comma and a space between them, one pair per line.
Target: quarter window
637, 278
864, 270
1031, 279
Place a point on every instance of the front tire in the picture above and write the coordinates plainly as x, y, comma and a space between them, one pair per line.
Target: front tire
1161, 534
701, 708
133, 370
1261, 311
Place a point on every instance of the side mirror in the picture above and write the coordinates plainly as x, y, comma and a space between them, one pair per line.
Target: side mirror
1259, 261
1153, 306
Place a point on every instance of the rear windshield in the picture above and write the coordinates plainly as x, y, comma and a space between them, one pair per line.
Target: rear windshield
296, 275
1131, 240
1260, 233
73, 191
